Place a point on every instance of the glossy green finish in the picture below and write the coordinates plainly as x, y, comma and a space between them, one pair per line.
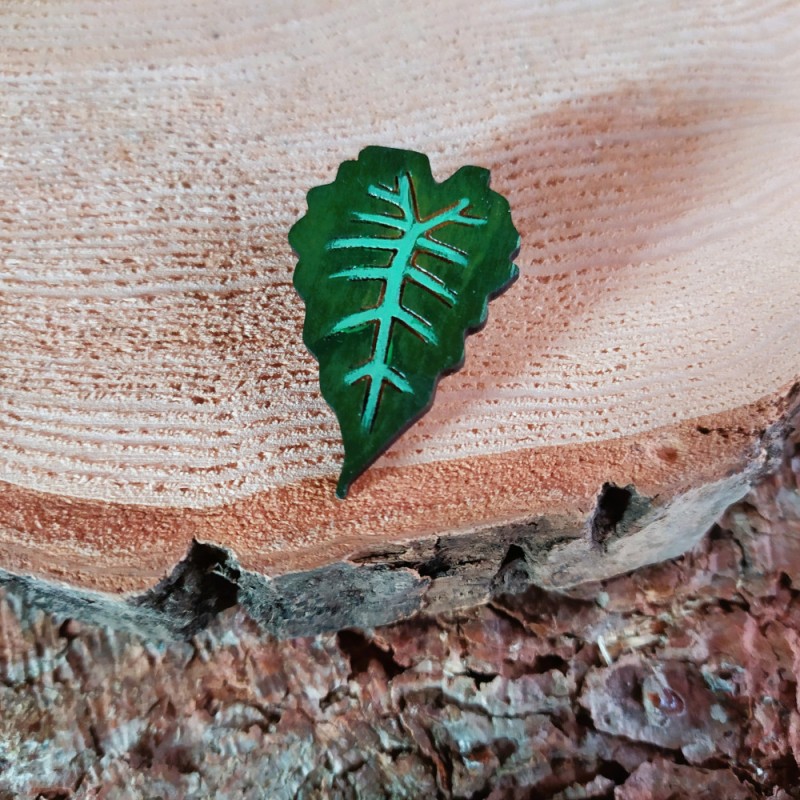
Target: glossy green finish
395, 269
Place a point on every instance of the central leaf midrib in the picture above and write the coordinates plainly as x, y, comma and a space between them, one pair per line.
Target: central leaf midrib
389, 311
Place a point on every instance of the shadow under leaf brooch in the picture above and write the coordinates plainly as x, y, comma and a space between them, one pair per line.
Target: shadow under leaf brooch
395, 269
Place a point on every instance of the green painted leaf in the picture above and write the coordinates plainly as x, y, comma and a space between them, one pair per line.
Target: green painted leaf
395, 269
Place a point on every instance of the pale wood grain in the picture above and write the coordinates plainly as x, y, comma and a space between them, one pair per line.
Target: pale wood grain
154, 384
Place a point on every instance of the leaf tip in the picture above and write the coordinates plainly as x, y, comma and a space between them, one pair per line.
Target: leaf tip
343, 484
353, 466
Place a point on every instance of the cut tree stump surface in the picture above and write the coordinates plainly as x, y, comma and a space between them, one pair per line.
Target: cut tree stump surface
154, 388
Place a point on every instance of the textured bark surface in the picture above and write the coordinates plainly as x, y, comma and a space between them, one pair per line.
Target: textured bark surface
676, 681
153, 383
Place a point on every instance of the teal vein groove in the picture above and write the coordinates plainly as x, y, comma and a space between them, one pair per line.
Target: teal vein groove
414, 238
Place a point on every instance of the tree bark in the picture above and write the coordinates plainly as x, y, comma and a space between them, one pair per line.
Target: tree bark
155, 389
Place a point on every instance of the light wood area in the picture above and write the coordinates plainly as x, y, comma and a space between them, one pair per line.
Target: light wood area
153, 382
